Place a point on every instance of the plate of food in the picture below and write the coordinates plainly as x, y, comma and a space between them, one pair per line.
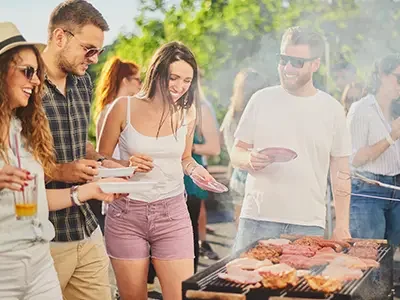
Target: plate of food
116, 172
129, 187
212, 186
278, 154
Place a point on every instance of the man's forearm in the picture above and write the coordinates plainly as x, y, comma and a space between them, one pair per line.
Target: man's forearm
240, 158
91, 152
341, 190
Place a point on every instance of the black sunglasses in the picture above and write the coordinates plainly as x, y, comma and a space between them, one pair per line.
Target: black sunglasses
28, 71
89, 51
397, 76
296, 62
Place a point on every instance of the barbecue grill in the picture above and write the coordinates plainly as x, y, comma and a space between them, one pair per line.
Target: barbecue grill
375, 284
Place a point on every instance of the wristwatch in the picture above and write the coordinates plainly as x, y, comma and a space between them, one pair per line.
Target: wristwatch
101, 159
74, 196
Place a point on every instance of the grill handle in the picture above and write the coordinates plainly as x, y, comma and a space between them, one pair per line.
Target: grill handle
204, 295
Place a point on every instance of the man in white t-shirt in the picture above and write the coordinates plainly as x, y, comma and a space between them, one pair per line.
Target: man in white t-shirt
289, 198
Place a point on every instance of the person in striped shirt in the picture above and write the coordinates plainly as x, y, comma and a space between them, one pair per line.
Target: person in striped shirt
375, 134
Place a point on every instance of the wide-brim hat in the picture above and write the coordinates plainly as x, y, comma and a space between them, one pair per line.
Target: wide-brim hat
10, 37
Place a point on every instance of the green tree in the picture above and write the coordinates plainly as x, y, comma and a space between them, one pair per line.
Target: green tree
227, 35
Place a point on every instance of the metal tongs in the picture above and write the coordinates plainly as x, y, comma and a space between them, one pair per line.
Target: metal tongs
355, 175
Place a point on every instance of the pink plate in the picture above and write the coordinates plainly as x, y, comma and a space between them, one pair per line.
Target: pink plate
277, 154
212, 186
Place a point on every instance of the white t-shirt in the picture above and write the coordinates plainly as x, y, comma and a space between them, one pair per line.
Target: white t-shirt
314, 127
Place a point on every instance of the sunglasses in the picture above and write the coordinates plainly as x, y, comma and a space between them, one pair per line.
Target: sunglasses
296, 62
89, 51
28, 71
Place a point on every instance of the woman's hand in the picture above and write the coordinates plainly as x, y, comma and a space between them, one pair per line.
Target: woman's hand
93, 191
200, 171
13, 178
144, 163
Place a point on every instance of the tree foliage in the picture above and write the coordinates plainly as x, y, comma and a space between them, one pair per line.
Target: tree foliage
227, 35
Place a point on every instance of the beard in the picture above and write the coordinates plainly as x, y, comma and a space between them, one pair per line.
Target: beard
66, 65
298, 83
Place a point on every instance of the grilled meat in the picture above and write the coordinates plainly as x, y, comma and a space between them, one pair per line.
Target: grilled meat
350, 262
246, 263
262, 252
302, 262
342, 273
364, 252
319, 243
323, 284
241, 276
278, 276
325, 250
371, 263
299, 250
367, 244
308, 241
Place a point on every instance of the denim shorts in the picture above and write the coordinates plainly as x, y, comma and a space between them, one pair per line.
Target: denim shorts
133, 227
250, 230
373, 218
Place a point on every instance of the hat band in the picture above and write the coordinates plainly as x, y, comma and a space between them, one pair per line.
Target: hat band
11, 40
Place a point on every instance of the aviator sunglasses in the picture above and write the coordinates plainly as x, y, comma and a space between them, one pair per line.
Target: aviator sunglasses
89, 51
28, 71
296, 62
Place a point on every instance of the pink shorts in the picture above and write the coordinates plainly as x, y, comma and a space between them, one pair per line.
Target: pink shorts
133, 227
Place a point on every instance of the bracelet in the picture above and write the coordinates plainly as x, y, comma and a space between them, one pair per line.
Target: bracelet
74, 196
193, 167
390, 140
192, 170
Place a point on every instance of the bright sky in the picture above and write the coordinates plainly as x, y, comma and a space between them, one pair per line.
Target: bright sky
31, 17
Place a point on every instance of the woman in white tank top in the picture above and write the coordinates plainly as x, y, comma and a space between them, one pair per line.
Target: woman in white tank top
155, 130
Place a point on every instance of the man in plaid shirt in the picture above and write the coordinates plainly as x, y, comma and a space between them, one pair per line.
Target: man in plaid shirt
76, 34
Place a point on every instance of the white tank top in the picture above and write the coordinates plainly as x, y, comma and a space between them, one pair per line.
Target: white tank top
166, 152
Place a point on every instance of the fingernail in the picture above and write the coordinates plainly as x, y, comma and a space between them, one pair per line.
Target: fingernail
25, 183
27, 172
22, 189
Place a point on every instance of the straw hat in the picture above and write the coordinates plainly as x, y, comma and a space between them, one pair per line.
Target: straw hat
10, 37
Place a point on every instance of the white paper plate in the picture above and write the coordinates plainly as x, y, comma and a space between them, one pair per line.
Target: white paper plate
117, 172
129, 187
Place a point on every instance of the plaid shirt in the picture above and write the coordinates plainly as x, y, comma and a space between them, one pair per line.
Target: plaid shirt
69, 119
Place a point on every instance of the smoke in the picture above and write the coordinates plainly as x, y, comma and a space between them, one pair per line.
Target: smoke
361, 37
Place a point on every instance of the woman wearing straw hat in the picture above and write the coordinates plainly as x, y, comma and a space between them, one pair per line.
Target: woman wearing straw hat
26, 154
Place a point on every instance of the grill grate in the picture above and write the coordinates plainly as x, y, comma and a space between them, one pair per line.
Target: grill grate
208, 280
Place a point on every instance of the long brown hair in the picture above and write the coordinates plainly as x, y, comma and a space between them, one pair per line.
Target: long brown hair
35, 127
112, 74
385, 65
158, 74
